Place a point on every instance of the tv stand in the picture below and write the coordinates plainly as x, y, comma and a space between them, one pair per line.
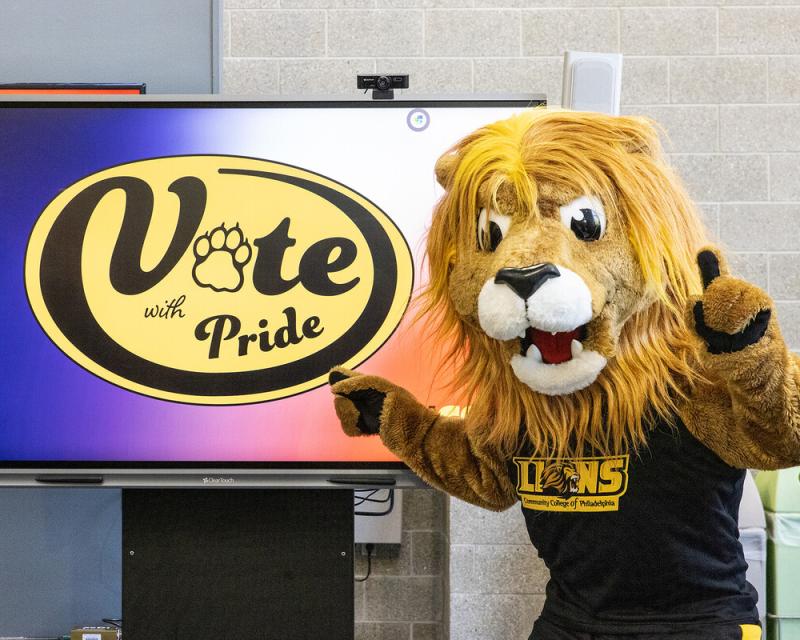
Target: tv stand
247, 563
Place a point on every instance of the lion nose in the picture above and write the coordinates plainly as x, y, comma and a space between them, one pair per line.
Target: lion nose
526, 280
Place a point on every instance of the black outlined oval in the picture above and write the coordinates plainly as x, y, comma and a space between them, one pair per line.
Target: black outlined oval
69, 248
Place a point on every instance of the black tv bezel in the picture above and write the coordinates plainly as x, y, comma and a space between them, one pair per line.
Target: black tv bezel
15, 467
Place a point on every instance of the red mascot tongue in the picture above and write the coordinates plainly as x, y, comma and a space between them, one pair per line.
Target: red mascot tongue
554, 347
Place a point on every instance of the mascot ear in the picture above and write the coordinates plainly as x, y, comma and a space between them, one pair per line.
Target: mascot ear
446, 169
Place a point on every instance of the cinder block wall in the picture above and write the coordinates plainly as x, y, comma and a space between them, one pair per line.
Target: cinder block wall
722, 76
405, 596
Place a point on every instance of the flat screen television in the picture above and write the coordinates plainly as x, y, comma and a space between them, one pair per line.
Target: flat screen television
180, 274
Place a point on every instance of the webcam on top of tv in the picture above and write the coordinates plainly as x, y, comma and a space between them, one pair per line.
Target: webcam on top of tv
382, 86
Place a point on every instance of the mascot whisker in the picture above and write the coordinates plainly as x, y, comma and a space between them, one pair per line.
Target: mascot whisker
620, 380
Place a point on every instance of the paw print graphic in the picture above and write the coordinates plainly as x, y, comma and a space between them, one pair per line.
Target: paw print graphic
220, 257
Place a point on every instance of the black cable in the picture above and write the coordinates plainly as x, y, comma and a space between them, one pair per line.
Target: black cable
369, 498
361, 499
114, 622
389, 499
370, 548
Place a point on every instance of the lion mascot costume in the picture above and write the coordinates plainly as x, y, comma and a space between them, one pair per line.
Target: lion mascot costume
620, 381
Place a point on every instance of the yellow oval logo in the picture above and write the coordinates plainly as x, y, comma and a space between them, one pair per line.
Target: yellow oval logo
216, 279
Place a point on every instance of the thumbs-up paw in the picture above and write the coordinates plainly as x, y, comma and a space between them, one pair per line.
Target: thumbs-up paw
731, 314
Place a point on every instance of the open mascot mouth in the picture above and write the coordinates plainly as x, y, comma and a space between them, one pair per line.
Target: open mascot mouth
554, 347
556, 362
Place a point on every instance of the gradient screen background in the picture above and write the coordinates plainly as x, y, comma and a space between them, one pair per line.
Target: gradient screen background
55, 413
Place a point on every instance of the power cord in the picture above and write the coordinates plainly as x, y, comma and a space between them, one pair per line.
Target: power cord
370, 549
360, 499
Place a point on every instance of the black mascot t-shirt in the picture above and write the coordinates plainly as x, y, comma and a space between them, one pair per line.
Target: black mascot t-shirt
645, 542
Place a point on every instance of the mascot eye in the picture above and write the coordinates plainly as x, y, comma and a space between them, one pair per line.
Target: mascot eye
492, 228
586, 218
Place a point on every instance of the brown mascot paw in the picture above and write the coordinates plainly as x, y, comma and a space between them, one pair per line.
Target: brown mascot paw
731, 314
359, 401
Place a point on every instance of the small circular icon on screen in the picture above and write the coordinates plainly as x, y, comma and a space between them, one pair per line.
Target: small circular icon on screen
418, 119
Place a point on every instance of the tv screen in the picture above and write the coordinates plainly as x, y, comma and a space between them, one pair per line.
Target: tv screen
179, 276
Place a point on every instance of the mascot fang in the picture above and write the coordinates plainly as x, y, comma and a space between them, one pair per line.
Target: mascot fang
620, 380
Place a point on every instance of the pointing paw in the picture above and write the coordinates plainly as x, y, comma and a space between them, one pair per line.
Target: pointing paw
220, 257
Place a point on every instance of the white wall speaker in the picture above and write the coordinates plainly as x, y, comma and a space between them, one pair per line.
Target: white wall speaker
592, 81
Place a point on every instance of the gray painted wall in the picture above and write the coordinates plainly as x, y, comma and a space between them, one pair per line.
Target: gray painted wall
60, 559
169, 45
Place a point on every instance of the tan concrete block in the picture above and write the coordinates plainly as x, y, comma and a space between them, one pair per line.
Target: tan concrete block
751, 267
709, 213
383, 631
425, 631
788, 314
759, 30
507, 569
689, 129
784, 177
226, 33
559, 4
432, 76
409, 599
264, 34
462, 568
323, 76
784, 276
730, 3
668, 31
358, 595
245, 76
645, 80
472, 32
718, 80
493, 617
721, 177
424, 509
498, 4
375, 33
251, 4
429, 4
784, 79
520, 75
428, 557
327, 4
473, 525
550, 32
760, 226
749, 128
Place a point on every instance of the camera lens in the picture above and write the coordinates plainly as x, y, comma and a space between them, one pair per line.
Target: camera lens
384, 83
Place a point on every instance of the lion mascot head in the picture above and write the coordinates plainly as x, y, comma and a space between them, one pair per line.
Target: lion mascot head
561, 259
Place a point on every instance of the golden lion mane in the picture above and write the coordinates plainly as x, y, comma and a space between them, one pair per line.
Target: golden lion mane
620, 160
